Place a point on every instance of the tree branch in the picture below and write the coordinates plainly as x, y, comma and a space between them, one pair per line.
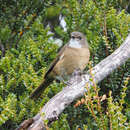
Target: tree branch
76, 89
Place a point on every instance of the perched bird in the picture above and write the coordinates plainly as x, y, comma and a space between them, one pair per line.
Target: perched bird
72, 56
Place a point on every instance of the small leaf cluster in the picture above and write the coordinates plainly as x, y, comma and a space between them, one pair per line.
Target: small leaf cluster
21, 71
112, 116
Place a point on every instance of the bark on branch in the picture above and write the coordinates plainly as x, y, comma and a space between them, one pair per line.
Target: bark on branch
59, 102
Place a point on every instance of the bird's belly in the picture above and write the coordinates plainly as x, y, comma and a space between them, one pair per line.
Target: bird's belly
71, 60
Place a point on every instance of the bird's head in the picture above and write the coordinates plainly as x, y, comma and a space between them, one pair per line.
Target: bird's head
78, 40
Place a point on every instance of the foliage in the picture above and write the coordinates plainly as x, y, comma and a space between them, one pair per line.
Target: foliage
27, 49
112, 117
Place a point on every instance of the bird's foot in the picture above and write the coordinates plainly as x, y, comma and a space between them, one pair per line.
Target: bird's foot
67, 83
60, 79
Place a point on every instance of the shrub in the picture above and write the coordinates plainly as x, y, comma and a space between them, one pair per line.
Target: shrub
27, 50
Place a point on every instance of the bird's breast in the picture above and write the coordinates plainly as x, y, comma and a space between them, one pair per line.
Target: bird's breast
74, 44
70, 60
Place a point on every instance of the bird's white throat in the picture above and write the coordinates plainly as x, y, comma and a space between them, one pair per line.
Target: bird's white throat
74, 43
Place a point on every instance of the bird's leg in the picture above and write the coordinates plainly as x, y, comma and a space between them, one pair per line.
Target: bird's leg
74, 77
67, 83
60, 79
77, 72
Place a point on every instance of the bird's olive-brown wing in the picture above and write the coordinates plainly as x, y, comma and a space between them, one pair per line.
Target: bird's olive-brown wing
55, 61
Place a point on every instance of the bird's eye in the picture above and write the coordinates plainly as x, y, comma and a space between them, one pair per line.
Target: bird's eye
79, 38
72, 37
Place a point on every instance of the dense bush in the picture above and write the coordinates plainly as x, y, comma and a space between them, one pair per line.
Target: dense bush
27, 49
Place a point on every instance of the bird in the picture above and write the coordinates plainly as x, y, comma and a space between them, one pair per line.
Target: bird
72, 56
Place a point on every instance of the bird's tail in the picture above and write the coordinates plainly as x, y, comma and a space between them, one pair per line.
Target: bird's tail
37, 92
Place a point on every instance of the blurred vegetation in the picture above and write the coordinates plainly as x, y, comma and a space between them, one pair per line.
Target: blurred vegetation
27, 48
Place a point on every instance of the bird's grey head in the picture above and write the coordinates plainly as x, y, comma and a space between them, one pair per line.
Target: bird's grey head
78, 40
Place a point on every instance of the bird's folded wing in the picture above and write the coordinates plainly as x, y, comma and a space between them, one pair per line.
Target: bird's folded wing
55, 61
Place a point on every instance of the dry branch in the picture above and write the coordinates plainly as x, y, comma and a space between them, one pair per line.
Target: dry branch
76, 89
